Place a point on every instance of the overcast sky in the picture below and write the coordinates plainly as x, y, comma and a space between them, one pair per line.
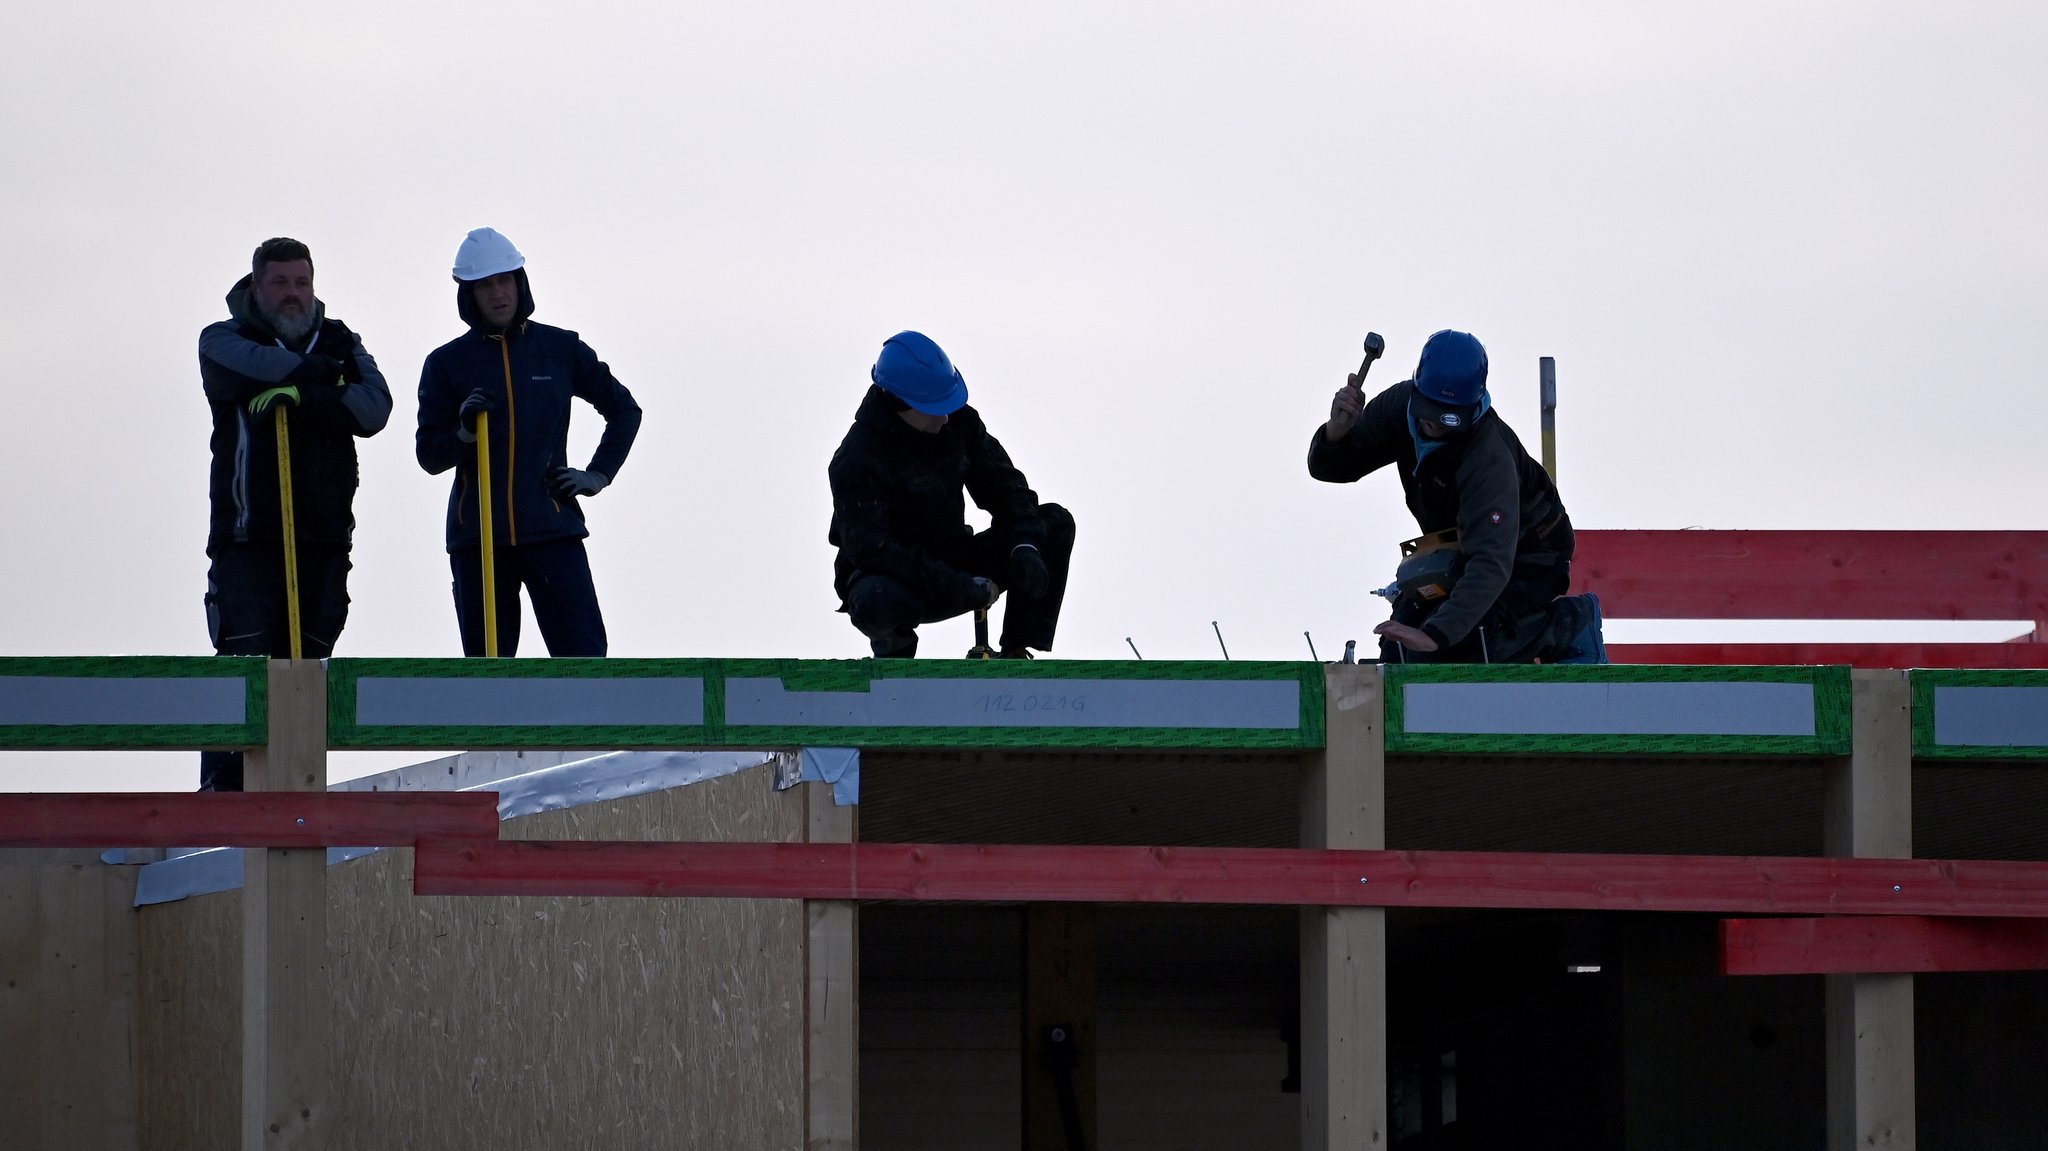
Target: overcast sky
1791, 258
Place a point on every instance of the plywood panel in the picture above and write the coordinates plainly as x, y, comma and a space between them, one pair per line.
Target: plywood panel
67, 996
495, 1023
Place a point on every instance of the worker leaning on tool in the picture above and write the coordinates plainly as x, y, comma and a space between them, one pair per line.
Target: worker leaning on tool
523, 375
899, 516
279, 349
1462, 468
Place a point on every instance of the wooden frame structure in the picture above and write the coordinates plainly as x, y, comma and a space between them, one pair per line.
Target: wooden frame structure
1343, 721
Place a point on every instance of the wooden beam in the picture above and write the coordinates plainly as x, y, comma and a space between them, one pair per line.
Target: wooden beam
1722, 884
1975, 575
1864, 655
832, 990
1057, 1048
1868, 813
286, 1039
244, 819
1344, 949
1881, 943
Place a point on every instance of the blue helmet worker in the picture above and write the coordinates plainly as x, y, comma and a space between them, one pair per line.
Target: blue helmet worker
1492, 521
900, 481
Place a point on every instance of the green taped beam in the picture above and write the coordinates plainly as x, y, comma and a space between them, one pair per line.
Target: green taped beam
427, 704
1479, 709
141, 703
1980, 714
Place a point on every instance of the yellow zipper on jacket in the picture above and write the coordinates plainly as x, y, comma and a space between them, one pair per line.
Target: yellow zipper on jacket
511, 440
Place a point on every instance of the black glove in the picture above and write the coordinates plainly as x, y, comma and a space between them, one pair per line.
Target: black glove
479, 402
565, 483
1028, 577
318, 370
337, 341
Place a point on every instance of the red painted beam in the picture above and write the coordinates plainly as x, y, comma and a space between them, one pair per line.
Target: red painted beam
245, 819
1872, 655
1815, 575
1094, 874
1870, 944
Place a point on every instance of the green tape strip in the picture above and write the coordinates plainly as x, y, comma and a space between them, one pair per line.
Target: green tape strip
1831, 700
812, 676
251, 670
1923, 684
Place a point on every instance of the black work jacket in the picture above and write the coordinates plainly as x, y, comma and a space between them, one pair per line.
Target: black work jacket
899, 499
1503, 504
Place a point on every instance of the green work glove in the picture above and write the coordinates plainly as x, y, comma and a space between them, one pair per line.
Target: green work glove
285, 395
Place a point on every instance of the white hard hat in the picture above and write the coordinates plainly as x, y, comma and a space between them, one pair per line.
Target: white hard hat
485, 253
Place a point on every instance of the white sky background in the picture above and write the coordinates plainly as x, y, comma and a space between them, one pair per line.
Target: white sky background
1792, 260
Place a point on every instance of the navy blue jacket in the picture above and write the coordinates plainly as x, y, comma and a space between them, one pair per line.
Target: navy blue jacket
240, 358
532, 371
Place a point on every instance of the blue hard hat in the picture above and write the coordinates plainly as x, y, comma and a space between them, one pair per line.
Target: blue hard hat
915, 370
1451, 379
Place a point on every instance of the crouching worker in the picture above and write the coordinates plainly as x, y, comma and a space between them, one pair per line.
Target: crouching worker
1485, 583
899, 517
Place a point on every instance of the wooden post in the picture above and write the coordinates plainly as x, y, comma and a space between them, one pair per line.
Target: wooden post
1059, 993
832, 1002
287, 1039
1344, 949
1870, 1017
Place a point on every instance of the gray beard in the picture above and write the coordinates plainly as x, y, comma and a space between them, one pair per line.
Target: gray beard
292, 328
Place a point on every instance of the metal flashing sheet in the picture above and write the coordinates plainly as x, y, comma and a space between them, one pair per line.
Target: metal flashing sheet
1618, 709
526, 783
132, 702
1980, 714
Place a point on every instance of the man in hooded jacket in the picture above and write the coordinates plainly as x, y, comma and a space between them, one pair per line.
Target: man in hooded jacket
1462, 469
906, 554
279, 350
523, 374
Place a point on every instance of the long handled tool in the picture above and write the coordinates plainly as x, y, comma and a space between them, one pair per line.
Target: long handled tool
483, 515
1375, 344
291, 529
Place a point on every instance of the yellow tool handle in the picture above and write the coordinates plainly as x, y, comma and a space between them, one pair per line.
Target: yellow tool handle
291, 530
483, 503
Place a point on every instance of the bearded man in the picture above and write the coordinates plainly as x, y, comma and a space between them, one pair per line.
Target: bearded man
279, 351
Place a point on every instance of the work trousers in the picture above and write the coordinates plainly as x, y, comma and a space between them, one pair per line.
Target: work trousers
556, 576
887, 610
247, 614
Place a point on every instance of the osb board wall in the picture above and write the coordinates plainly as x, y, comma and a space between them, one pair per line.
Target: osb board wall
67, 1002
500, 1023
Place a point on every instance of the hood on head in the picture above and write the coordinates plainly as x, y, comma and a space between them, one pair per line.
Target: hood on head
242, 307
465, 305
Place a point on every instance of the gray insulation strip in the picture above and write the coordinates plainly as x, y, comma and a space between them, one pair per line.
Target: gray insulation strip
73, 700
1723, 708
1020, 703
1991, 716
530, 702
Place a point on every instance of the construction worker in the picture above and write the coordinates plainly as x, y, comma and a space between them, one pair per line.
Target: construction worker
522, 374
899, 519
1494, 595
280, 350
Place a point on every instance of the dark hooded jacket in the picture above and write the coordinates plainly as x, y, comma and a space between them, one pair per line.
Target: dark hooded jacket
532, 371
898, 499
1503, 504
240, 358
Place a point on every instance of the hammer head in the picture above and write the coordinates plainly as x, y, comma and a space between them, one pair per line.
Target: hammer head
1374, 345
